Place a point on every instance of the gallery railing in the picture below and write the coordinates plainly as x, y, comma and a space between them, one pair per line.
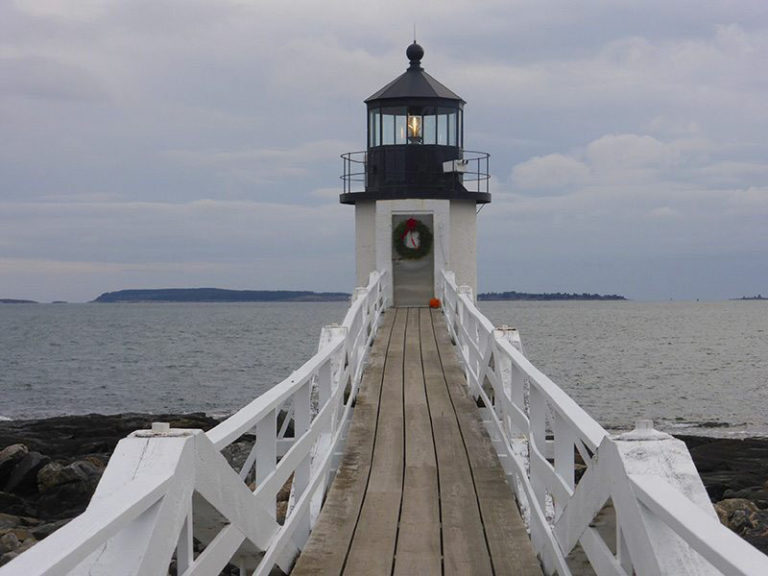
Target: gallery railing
471, 172
632, 503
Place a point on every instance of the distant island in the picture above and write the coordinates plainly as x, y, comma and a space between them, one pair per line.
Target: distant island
546, 296
758, 297
219, 295
16, 301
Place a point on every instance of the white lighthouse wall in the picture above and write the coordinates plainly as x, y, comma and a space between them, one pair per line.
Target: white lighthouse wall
455, 233
365, 240
463, 243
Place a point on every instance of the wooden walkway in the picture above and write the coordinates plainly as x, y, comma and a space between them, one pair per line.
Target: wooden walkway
420, 489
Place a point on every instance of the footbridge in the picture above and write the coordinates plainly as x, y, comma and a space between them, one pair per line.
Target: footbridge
415, 441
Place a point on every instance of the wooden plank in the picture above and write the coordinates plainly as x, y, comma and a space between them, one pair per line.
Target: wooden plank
418, 543
326, 550
509, 544
373, 545
464, 547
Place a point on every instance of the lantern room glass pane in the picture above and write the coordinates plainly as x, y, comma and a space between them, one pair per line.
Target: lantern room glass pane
387, 129
430, 129
442, 129
374, 128
452, 129
400, 129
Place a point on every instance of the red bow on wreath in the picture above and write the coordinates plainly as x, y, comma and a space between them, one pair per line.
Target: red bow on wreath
410, 226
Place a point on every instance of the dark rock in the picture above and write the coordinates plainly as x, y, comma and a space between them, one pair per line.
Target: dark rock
45, 530
12, 504
9, 458
66, 500
67, 437
745, 519
280, 512
23, 478
19, 548
54, 474
9, 542
237, 453
756, 494
9, 521
728, 463
738, 521
757, 535
5, 558
731, 505
284, 494
728, 454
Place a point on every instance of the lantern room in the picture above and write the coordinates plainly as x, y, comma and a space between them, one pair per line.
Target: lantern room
415, 188
415, 143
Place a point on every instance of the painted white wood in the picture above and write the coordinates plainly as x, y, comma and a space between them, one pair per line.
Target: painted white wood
365, 239
185, 547
146, 547
600, 556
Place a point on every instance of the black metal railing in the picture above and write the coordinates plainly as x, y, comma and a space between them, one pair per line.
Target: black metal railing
471, 170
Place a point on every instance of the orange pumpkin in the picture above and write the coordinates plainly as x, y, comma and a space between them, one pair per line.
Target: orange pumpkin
435, 303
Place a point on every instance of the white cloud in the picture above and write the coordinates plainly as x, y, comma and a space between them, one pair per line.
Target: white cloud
554, 171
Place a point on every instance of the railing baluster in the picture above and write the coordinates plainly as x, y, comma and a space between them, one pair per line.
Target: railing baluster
185, 547
564, 455
303, 418
266, 452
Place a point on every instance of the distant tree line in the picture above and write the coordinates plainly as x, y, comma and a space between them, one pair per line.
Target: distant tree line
513, 295
219, 295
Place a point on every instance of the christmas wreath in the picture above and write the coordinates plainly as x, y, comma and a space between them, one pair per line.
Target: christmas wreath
412, 239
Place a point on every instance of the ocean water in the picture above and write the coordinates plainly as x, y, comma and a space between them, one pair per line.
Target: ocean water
689, 366
60, 359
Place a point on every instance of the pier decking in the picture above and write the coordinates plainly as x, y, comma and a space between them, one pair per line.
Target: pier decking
420, 489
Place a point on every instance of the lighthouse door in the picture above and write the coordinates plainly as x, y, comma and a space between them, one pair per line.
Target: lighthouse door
413, 259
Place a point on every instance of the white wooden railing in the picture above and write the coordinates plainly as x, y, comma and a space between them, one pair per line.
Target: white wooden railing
164, 487
637, 504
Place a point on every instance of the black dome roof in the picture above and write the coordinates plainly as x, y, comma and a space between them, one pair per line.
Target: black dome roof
414, 82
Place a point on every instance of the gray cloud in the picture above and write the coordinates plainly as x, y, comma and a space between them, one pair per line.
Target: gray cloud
158, 143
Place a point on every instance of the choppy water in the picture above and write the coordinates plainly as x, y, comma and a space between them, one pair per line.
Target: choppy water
682, 364
109, 358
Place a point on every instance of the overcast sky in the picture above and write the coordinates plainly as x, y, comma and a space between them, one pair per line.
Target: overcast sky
155, 143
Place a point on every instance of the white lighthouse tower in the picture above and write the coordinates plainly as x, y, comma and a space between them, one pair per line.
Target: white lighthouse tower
415, 189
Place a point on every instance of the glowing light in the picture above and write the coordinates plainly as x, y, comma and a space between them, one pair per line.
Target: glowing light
414, 128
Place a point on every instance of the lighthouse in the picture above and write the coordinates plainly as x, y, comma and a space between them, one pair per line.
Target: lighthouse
415, 189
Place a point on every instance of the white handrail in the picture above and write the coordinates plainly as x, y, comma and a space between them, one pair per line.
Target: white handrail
162, 488
664, 522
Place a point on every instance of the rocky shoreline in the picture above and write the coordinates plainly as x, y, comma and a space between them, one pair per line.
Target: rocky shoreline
49, 469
